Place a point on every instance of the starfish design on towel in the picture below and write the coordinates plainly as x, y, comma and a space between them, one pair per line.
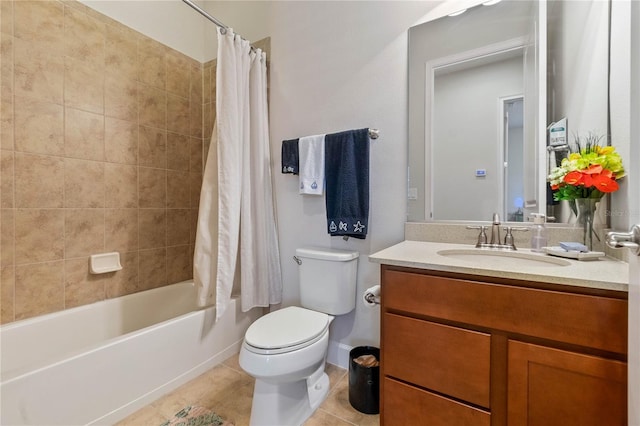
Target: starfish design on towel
358, 227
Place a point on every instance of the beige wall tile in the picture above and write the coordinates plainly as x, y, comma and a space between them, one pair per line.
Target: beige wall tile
179, 264
124, 281
39, 73
7, 293
196, 84
40, 22
178, 227
120, 141
196, 119
152, 268
194, 225
121, 97
178, 152
152, 188
6, 17
83, 85
196, 185
152, 147
83, 232
152, 106
152, 62
206, 85
152, 228
178, 114
39, 127
84, 183
81, 125
6, 179
6, 121
39, 181
121, 51
80, 286
7, 237
39, 235
84, 36
83, 135
121, 181
207, 120
195, 159
39, 289
178, 74
178, 190
121, 230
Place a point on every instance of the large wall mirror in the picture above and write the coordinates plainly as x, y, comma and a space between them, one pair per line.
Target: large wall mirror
484, 86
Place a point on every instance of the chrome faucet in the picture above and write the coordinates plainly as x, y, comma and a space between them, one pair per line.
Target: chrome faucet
495, 229
496, 243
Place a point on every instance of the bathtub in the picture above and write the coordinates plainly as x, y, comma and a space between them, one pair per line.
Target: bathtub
98, 363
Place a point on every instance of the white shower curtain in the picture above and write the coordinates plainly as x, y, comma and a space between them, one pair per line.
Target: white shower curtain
245, 221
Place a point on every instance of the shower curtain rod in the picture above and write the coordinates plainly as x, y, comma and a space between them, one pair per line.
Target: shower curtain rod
202, 12
223, 27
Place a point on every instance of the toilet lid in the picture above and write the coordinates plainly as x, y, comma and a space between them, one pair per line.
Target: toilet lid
286, 327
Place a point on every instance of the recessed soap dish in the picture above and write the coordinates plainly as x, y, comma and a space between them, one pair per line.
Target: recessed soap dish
105, 262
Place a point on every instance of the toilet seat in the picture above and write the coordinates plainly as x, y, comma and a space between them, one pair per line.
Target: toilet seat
286, 330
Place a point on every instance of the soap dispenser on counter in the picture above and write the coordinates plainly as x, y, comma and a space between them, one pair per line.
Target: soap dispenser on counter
538, 233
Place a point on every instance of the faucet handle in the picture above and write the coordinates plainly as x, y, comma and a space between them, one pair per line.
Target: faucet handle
482, 236
508, 238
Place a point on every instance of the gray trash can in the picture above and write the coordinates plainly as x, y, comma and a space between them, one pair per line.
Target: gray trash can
364, 382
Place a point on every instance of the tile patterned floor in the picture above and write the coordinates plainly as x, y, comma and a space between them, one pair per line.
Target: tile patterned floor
227, 390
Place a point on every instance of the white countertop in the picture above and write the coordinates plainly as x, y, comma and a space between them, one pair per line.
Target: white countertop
605, 273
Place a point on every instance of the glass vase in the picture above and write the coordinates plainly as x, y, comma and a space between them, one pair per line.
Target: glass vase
586, 213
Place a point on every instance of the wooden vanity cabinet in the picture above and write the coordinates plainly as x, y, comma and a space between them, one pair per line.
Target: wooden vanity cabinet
463, 350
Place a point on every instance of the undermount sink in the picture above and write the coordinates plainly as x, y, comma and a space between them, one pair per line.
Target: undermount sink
499, 258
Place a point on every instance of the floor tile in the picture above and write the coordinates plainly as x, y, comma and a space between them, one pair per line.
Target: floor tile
228, 391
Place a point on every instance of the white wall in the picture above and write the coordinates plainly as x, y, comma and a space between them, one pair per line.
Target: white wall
580, 96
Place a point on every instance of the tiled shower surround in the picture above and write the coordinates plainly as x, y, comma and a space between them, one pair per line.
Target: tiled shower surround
103, 133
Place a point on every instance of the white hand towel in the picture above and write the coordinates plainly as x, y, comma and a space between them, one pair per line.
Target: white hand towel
311, 168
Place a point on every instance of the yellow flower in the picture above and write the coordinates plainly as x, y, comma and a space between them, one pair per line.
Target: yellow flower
604, 150
575, 156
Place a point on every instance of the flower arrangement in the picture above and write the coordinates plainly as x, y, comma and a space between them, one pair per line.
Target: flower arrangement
590, 171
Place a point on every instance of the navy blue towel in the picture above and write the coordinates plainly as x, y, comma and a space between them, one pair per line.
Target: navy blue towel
290, 157
346, 168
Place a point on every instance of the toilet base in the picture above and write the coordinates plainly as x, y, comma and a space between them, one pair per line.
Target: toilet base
288, 404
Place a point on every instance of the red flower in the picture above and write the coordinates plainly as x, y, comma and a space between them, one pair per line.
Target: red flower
593, 169
573, 178
605, 183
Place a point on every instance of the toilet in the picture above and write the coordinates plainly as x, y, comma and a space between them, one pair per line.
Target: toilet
285, 350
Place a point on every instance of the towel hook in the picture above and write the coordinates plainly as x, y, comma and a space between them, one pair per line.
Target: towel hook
374, 133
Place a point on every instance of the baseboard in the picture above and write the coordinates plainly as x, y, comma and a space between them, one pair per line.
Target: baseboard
338, 354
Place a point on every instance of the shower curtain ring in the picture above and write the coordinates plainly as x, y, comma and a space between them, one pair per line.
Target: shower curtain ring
298, 260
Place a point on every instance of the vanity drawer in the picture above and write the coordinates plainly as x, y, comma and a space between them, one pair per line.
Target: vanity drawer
445, 359
406, 405
591, 321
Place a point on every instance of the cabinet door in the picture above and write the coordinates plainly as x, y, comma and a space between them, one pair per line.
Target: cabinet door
549, 386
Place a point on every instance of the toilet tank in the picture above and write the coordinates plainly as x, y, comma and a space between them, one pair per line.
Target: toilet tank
328, 279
